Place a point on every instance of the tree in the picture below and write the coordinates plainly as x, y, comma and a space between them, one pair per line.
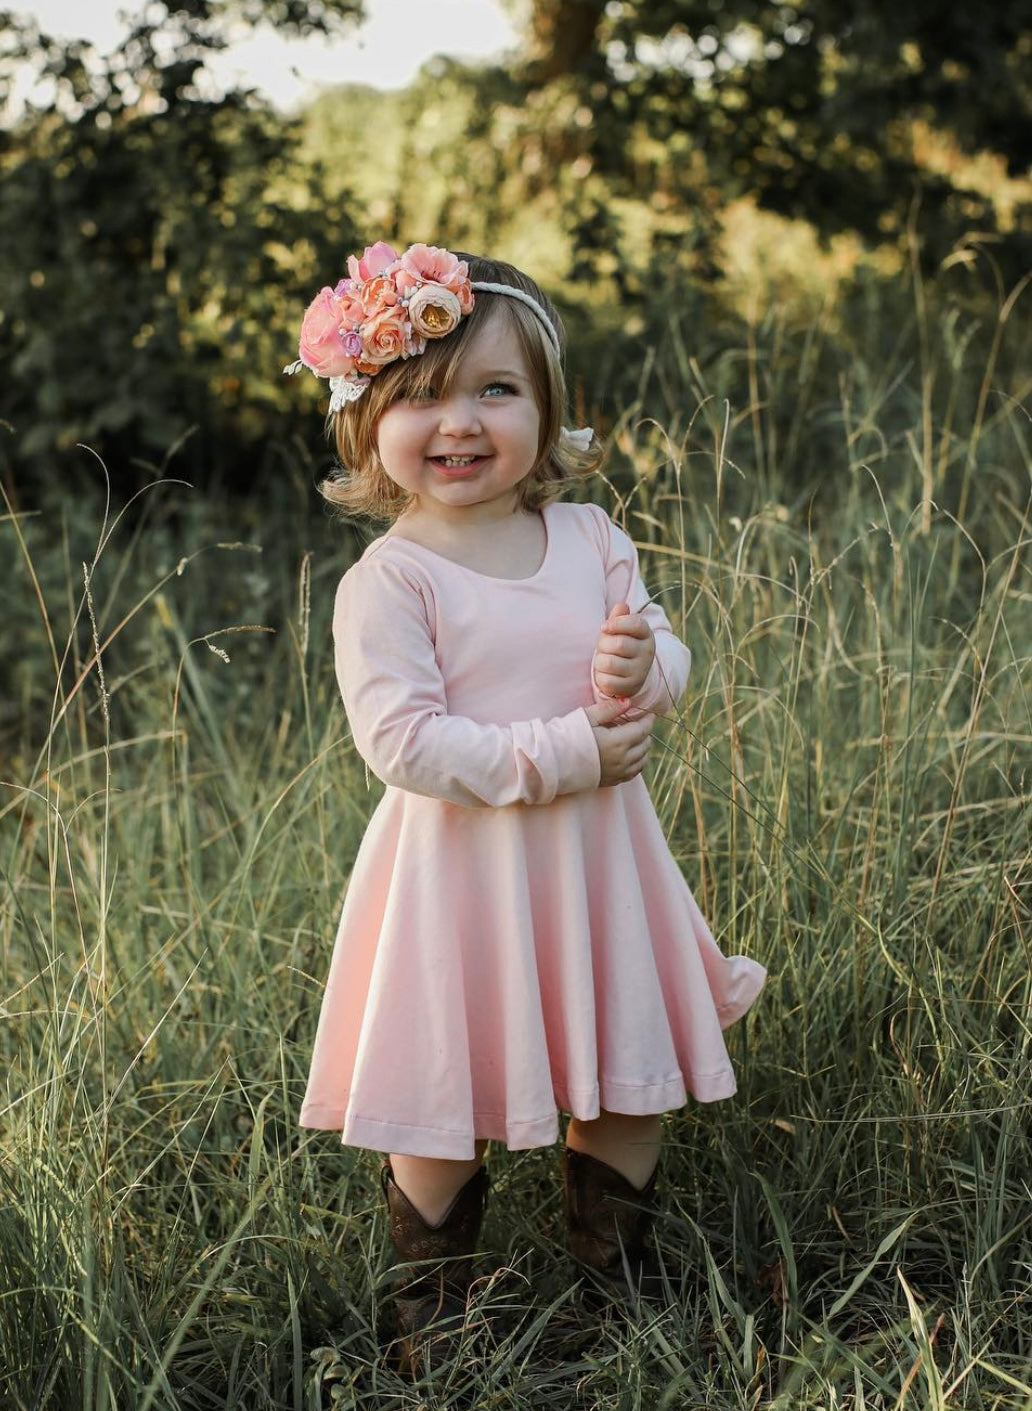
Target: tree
811, 106
157, 240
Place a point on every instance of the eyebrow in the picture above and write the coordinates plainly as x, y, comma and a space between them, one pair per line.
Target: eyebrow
494, 374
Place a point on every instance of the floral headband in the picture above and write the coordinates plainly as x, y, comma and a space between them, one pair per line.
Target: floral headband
387, 308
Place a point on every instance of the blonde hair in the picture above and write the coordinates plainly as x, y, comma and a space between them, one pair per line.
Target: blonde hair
361, 486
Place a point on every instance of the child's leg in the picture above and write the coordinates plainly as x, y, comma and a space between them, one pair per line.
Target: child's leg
628, 1144
431, 1183
610, 1190
434, 1210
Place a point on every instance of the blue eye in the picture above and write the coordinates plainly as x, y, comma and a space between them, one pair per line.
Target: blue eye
494, 389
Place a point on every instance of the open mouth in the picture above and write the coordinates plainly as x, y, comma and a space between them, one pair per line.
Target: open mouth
457, 465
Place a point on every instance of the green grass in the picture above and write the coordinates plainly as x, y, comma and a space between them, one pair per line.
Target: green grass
847, 790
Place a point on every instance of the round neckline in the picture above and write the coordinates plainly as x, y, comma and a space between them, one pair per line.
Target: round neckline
476, 572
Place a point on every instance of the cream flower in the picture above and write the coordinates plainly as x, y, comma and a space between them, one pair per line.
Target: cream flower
434, 311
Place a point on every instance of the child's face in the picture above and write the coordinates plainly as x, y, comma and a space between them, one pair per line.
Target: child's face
462, 455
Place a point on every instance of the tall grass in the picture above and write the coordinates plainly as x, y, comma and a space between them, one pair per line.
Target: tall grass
846, 788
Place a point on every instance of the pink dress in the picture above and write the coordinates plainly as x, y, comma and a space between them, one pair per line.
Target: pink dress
514, 938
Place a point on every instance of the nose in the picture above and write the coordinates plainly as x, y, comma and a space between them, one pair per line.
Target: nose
459, 416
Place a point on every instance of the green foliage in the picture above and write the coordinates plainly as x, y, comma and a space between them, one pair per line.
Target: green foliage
155, 246
628, 233
846, 787
809, 106
158, 239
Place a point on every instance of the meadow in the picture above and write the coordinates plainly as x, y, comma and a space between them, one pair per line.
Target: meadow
847, 787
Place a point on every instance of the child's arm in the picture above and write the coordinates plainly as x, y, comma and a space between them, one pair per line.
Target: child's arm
397, 707
637, 655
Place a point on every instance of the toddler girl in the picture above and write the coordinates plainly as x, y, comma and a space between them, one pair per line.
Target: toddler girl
516, 936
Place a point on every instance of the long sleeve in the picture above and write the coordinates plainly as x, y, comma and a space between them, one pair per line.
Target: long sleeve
668, 676
396, 702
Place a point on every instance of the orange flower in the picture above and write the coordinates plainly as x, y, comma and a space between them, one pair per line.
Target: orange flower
376, 294
383, 339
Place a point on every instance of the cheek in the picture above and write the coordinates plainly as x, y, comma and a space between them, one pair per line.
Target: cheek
526, 423
390, 438
537, 433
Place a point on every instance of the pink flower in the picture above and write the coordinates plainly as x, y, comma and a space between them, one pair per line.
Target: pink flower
349, 304
375, 259
321, 347
434, 310
384, 338
385, 309
427, 264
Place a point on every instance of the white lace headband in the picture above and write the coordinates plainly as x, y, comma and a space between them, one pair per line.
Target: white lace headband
511, 292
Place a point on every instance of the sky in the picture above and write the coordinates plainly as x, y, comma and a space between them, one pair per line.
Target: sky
386, 52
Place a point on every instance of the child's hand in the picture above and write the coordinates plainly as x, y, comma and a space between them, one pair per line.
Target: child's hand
623, 740
624, 653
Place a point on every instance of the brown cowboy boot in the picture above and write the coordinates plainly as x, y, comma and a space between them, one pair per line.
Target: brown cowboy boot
609, 1223
430, 1300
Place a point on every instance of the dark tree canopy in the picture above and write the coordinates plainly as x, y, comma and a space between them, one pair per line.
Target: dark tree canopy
158, 237
810, 105
156, 240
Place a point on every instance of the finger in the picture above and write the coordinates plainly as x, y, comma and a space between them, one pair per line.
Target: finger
625, 649
606, 711
612, 666
644, 719
634, 730
645, 724
635, 763
628, 624
635, 767
622, 647
641, 749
